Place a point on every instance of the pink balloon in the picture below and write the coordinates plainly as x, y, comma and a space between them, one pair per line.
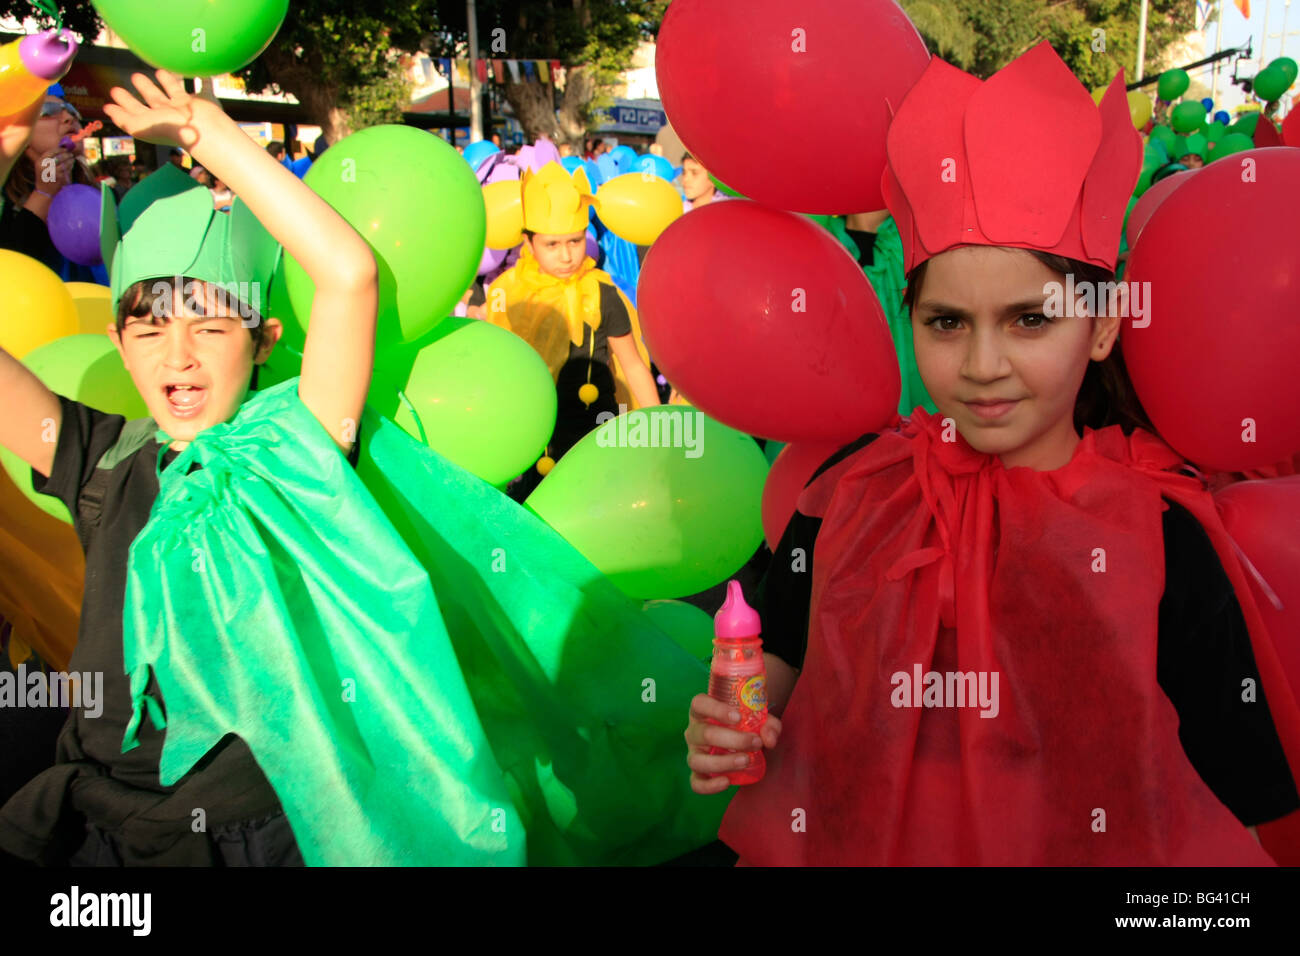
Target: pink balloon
790, 472
763, 321
492, 259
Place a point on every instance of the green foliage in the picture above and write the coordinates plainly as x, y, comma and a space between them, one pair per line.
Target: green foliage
341, 54
982, 36
78, 15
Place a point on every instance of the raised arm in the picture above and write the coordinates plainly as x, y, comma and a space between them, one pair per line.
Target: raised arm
340, 349
29, 426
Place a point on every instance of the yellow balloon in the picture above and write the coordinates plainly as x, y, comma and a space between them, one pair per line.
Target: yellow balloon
94, 305
1139, 108
504, 202
35, 305
638, 206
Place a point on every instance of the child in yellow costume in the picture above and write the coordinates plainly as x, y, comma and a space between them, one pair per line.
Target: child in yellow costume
557, 301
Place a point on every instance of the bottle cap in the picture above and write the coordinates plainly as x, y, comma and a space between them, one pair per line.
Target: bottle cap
736, 619
49, 54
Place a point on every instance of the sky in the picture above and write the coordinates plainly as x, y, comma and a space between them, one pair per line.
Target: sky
1237, 31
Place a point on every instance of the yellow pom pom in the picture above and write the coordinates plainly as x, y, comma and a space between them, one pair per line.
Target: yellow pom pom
588, 394
544, 465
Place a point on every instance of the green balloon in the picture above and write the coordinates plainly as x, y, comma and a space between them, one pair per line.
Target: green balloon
664, 501
1186, 117
772, 449
1246, 125
1232, 143
1165, 137
478, 395
87, 369
418, 204
1288, 67
1144, 181
724, 188
686, 624
1172, 84
1197, 144
195, 37
1271, 82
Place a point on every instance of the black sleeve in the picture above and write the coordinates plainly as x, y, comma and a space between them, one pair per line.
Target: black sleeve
866, 243
614, 320
21, 230
477, 294
1204, 655
785, 592
84, 435
355, 454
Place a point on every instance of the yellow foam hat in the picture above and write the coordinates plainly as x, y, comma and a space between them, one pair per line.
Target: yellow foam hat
555, 203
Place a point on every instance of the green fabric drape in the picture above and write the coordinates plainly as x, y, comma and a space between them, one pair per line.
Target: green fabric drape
426, 672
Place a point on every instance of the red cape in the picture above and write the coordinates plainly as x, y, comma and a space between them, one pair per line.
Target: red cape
1079, 761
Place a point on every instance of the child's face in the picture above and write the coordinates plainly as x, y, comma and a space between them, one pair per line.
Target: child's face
560, 256
192, 362
980, 334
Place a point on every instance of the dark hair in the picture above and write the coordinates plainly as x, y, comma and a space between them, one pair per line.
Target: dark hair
275, 147
141, 299
1107, 396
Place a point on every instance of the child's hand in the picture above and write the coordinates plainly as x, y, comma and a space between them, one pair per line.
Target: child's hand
165, 113
709, 772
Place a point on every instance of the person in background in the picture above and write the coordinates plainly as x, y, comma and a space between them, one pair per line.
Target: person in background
177, 157
222, 196
37, 177
277, 151
696, 184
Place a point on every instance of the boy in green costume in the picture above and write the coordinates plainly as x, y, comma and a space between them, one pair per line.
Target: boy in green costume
320, 703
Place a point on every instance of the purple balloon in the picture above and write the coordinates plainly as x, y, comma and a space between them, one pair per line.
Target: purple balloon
73, 222
593, 247
492, 258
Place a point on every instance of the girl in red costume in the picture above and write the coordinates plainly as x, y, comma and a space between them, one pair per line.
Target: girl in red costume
1015, 632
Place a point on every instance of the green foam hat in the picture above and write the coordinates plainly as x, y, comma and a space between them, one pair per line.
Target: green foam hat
167, 226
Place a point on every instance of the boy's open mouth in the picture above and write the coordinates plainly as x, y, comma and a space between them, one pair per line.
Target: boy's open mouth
186, 401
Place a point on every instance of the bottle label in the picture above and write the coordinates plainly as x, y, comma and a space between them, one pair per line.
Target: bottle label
753, 693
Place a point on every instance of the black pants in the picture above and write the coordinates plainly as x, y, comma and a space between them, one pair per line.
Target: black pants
573, 419
265, 842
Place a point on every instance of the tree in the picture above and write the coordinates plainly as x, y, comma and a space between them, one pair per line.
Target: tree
593, 39
1094, 37
78, 15
340, 59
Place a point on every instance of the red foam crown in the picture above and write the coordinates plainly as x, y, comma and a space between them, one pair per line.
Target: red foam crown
1023, 159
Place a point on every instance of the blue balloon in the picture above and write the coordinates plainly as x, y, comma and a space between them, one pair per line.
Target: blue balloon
571, 163
624, 158
595, 174
1208, 104
608, 167
1222, 117
475, 153
649, 163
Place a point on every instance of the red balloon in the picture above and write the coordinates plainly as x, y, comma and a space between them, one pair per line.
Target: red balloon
793, 467
755, 88
1216, 357
1148, 201
763, 321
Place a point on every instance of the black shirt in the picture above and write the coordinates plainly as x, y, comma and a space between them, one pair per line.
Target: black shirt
92, 777
1203, 653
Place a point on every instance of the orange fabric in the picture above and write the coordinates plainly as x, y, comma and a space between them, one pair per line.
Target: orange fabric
936, 558
42, 571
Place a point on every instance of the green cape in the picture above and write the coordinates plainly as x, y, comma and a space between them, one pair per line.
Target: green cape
426, 672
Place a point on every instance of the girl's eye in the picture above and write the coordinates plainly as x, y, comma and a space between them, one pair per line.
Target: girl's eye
939, 323
214, 331
1034, 320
